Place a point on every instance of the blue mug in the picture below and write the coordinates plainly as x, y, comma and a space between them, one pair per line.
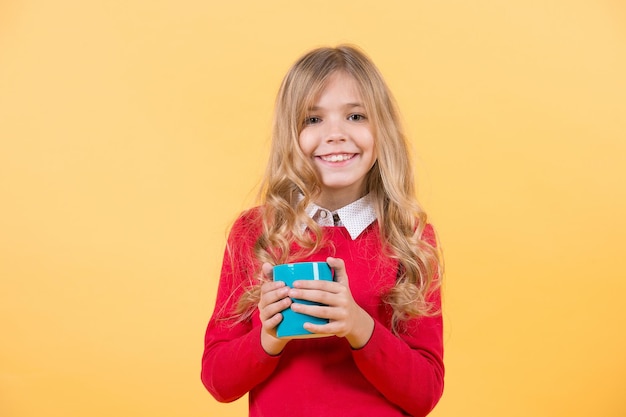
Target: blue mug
292, 324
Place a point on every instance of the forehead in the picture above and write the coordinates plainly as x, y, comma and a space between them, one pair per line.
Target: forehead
340, 87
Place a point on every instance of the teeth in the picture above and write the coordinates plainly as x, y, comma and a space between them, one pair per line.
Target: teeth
336, 158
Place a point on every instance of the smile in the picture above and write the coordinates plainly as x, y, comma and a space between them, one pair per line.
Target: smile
337, 157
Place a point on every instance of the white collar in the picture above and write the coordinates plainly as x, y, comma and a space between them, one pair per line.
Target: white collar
355, 217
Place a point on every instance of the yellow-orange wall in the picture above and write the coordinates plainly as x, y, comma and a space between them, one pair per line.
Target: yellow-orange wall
132, 133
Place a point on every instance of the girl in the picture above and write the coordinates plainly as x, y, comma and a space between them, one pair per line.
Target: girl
338, 188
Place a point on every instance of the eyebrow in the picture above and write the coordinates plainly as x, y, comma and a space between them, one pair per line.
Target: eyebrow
348, 105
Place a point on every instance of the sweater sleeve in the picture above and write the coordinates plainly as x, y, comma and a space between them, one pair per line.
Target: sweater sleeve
407, 369
234, 361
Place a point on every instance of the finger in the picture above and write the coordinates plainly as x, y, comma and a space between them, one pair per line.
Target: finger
272, 309
314, 284
272, 286
268, 270
322, 312
339, 267
330, 328
318, 296
273, 321
272, 292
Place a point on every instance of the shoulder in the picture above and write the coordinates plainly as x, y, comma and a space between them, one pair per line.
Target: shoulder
429, 235
249, 218
247, 226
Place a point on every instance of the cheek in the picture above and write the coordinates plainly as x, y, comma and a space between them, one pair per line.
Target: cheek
369, 143
306, 143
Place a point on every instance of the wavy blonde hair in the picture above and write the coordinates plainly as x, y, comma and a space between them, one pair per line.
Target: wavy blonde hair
291, 182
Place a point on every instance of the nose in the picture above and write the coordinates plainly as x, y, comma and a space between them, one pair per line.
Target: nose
335, 132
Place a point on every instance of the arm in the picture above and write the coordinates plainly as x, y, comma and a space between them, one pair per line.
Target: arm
408, 370
234, 360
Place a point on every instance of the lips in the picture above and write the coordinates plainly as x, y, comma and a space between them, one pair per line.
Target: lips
337, 157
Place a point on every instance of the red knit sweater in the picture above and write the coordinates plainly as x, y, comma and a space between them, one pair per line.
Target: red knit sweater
389, 376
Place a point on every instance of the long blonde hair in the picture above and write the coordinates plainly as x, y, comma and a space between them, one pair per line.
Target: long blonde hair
291, 183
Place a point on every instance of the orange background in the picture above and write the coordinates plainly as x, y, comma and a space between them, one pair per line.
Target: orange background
132, 133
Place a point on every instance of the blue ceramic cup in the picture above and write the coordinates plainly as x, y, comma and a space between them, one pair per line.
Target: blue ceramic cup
292, 324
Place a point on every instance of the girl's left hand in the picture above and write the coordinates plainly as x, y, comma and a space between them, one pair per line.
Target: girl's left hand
347, 318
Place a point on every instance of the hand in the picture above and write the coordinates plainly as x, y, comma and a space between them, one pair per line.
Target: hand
347, 318
274, 299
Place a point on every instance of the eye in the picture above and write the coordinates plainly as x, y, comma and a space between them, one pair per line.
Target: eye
357, 117
311, 120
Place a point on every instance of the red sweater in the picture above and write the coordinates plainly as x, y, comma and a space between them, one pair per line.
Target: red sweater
390, 376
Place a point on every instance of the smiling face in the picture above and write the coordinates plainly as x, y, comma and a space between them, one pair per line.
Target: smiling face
338, 138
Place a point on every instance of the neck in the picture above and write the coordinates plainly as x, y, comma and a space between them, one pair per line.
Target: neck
335, 201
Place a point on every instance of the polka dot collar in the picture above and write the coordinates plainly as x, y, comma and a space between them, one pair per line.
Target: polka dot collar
355, 217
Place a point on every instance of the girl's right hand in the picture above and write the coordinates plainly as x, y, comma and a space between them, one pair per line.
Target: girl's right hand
272, 302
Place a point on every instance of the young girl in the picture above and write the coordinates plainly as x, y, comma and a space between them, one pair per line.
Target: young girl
338, 188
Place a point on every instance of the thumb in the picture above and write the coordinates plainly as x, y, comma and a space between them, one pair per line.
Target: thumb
268, 271
339, 267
